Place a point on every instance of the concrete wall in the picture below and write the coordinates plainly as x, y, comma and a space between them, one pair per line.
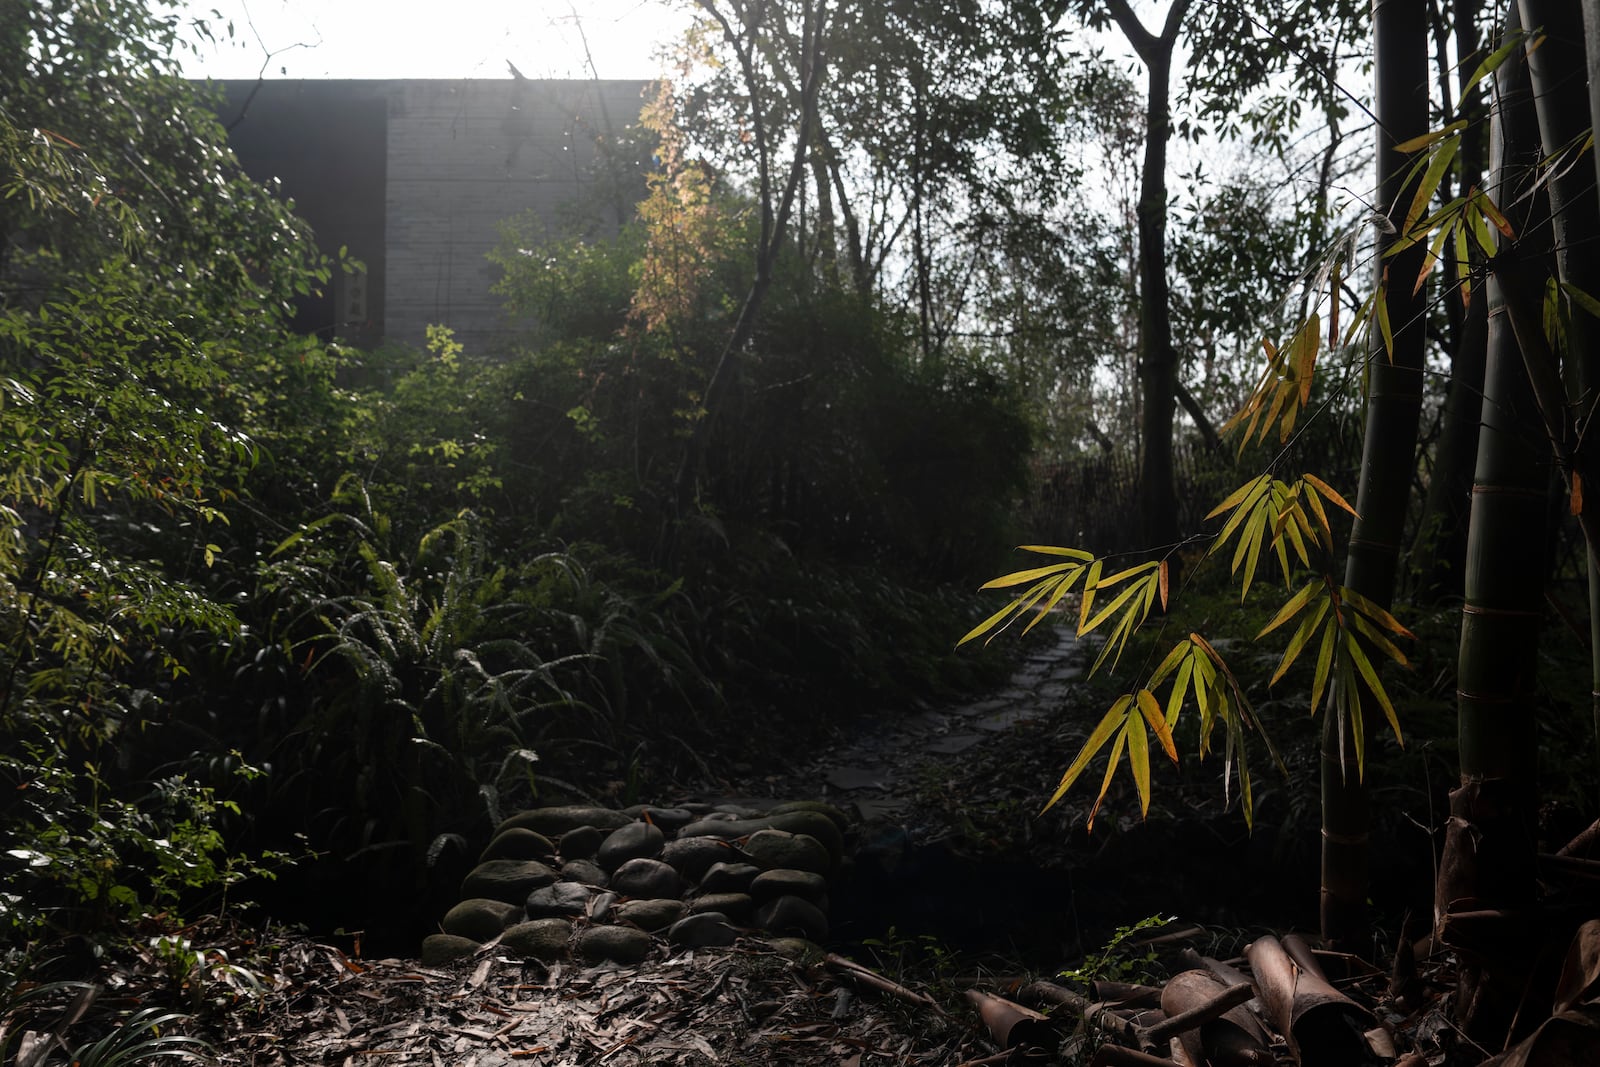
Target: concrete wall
414, 177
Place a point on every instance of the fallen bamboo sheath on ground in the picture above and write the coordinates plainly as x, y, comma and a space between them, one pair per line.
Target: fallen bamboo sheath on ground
1126, 994
1321, 1024
849, 968
1195, 1013
1010, 1024
1209, 1019
1095, 1014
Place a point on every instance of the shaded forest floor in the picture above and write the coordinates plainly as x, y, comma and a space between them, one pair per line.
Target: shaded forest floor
957, 881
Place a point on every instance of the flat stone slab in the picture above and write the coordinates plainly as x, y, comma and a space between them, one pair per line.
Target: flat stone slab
983, 707
890, 808
850, 779
1001, 721
953, 745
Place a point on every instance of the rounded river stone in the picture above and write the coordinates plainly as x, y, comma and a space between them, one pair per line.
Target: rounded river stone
542, 939
621, 943
587, 872
635, 841
652, 915
840, 819
705, 930
518, 843
798, 949
479, 918
813, 823
507, 880
442, 948
562, 900
779, 849
553, 822
692, 857
729, 878
736, 906
781, 880
793, 915
650, 879
669, 819
581, 843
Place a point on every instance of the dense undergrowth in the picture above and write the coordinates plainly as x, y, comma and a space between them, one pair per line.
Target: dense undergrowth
274, 608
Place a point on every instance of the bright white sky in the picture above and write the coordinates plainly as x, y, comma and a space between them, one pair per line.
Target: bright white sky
420, 39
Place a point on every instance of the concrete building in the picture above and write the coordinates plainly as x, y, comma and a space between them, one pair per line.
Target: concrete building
414, 177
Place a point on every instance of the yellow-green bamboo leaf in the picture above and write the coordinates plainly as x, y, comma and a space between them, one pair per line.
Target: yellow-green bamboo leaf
1291, 530
1383, 644
1377, 614
987, 624
1362, 317
1319, 679
1333, 304
1254, 555
1291, 607
1238, 498
1283, 392
1302, 637
1110, 609
1328, 491
1170, 662
1139, 760
1309, 350
1430, 260
1062, 588
1582, 299
1490, 64
1384, 328
1095, 742
1363, 664
1089, 585
1463, 264
1427, 139
1142, 568
1111, 769
1437, 165
1157, 719
1251, 533
1180, 688
1162, 577
1494, 215
1018, 577
1055, 550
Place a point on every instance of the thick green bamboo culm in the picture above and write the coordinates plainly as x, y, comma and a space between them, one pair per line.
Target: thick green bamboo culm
1440, 552
1394, 406
1489, 852
1557, 71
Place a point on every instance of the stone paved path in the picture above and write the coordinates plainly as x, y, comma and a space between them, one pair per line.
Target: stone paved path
872, 770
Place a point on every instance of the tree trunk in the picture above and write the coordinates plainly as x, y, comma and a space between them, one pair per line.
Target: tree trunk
1488, 860
775, 211
1394, 407
1158, 360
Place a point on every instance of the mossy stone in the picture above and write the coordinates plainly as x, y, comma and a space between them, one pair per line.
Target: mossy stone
540, 939
781, 850
635, 841
445, 948
555, 821
480, 918
507, 880
652, 915
519, 843
623, 944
